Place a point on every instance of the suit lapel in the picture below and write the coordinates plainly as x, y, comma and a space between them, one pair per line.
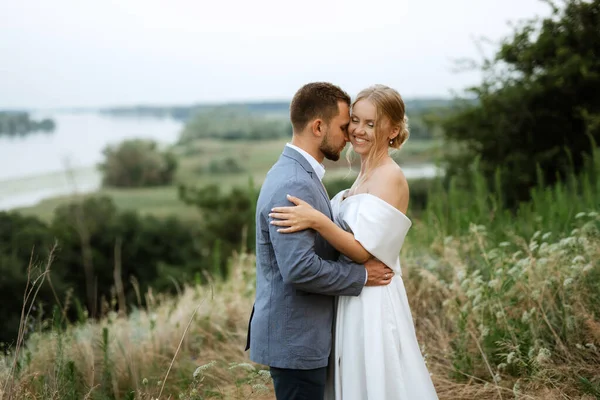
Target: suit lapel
291, 153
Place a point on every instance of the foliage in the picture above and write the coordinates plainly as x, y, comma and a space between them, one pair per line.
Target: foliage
227, 219
229, 123
537, 108
137, 163
20, 124
94, 238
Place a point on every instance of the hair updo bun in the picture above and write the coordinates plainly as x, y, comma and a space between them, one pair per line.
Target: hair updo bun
402, 137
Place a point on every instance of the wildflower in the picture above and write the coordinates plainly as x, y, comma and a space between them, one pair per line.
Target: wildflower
485, 331
504, 244
578, 259
587, 267
203, 368
546, 235
542, 261
145, 381
259, 387
591, 346
580, 215
247, 366
494, 284
264, 373
568, 282
511, 357
592, 214
543, 355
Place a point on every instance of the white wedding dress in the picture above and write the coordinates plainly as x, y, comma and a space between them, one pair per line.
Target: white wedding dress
376, 355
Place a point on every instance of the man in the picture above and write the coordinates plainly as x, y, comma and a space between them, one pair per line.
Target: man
298, 274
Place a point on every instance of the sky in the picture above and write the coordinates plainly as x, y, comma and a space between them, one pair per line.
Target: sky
73, 53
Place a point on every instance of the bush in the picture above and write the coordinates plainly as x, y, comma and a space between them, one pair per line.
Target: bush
537, 106
137, 163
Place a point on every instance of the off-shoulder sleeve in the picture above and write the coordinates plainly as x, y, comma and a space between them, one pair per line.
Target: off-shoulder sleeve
378, 226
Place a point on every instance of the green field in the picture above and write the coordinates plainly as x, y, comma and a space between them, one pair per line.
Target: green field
253, 157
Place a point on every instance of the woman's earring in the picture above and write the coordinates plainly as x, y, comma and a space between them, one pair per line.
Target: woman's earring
391, 142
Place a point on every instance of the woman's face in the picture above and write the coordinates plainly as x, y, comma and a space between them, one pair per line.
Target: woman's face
361, 130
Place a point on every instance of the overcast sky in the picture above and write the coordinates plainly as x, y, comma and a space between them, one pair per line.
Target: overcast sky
71, 53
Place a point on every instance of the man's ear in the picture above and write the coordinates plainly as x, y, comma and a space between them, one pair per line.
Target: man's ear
317, 127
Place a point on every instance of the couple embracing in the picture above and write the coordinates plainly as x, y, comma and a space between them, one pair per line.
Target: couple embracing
331, 318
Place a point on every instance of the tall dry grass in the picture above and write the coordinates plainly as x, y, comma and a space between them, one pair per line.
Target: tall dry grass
506, 305
495, 320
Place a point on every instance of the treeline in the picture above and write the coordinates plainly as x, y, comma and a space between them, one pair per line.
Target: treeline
281, 108
14, 123
184, 113
537, 118
106, 259
228, 123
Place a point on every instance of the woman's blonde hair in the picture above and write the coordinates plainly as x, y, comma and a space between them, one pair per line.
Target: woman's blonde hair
389, 108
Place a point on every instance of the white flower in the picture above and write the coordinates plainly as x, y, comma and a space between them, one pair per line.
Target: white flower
580, 215
511, 357
504, 244
543, 355
546, 235
259, 387
591, 346
203, 368
494, 283
247, 366
578, 259
568, 282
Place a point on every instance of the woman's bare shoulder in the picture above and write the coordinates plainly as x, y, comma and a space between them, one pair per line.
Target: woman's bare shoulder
391, 185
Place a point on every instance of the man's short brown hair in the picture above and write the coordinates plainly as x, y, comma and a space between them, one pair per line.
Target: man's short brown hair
316, 100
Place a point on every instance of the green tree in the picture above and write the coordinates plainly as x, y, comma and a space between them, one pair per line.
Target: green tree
227, 220
137, 163
538, 104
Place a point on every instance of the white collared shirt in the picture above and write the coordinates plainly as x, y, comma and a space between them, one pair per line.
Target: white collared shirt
317, 166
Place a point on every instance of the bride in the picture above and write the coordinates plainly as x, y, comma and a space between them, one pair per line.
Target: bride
376, 354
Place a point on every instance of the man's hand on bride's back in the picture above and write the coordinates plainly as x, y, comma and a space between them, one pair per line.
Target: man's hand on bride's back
378, 274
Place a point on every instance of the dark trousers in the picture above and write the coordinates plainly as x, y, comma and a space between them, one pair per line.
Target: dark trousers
299, 384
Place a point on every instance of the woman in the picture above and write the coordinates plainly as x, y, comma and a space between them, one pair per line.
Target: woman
376, 352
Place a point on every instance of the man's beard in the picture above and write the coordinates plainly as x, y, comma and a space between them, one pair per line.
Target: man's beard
330, 152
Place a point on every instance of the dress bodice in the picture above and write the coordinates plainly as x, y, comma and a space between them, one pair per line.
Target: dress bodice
377, 225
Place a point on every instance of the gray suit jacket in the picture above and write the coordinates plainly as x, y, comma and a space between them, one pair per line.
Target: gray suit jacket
297, 275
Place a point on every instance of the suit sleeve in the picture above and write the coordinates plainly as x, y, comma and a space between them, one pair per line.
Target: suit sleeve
296, 257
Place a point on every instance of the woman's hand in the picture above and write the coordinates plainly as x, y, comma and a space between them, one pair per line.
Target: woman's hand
297, 218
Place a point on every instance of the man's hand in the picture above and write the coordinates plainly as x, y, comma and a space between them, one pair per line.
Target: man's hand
378, 274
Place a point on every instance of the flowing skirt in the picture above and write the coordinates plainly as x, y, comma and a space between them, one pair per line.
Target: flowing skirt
376, 355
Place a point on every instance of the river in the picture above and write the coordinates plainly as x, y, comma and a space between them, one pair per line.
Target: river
34, 167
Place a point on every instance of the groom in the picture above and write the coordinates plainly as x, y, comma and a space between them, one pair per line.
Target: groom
298, 274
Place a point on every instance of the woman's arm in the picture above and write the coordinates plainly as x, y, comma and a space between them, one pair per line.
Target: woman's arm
304, 216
